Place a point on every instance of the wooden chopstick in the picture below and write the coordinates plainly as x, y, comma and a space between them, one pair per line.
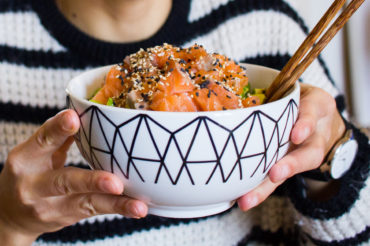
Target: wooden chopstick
295, 67
304, 47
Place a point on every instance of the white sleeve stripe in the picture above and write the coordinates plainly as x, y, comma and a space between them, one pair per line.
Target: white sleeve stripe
23, 30
346, 226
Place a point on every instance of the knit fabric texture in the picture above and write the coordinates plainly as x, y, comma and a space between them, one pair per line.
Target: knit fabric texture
40, 51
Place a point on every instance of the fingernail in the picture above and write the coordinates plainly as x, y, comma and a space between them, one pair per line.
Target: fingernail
108, 186
283, 174
67, 123
305, 133
137, 211
252, 201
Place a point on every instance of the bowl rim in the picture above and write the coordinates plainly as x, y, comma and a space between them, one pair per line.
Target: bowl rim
88, 103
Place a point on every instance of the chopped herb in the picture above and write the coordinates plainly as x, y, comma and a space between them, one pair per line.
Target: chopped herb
110, 102
246, 91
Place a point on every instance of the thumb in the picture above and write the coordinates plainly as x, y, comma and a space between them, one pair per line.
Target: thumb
51, 135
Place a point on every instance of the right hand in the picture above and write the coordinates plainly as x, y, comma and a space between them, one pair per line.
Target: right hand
38, 194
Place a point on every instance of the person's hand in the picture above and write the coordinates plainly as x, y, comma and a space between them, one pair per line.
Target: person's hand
318, 127
38, 194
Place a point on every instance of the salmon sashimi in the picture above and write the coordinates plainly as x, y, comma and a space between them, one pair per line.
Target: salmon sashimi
169, 78
112, 88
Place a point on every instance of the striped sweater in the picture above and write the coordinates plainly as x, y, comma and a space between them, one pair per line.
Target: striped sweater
40, 52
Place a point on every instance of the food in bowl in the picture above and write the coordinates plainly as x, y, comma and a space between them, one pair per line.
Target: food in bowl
169, 78
184, 164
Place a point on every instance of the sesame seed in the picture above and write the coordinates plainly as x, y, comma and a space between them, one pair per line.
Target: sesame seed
204, 84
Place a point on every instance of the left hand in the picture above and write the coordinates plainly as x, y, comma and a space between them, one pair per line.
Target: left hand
318, 127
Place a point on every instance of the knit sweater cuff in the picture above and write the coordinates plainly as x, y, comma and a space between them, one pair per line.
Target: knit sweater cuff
351, 185
343, 217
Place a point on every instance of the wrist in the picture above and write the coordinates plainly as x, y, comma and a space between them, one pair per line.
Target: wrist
12, 237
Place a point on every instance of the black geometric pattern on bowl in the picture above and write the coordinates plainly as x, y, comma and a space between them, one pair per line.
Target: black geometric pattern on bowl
96, 117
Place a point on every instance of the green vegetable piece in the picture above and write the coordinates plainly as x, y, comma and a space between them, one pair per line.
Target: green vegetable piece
110, 102
246, 91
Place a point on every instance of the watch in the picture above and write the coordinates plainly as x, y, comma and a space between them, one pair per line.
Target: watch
338, 161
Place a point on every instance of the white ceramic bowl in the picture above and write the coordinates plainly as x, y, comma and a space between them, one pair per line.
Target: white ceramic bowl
188, 164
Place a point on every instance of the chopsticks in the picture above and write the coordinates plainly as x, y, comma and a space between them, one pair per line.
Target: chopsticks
296, 66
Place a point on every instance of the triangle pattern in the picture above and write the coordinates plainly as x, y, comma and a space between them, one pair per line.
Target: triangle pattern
144, 146
186, 136
173, 163
190, 153
161, 136
202, 148
218, 135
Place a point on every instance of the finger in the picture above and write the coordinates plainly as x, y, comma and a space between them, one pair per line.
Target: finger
51, 135
59, 157
86, 205
307, 156
257, 195
307, 115
315, 104
72, 180
66, 145
306, 122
